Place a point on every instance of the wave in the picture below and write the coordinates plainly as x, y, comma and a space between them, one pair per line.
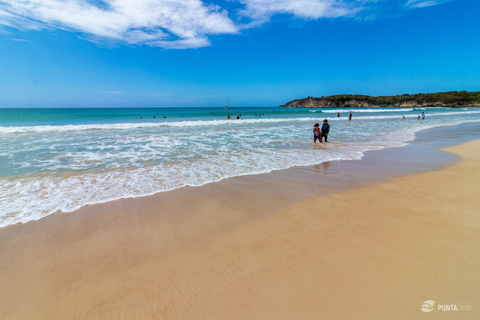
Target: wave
365, 110
126, 126
197, 123
46, 195
49, 194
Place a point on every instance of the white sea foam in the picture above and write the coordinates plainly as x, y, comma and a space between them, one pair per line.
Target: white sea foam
67, 167
362, 110
49, 194
196, 123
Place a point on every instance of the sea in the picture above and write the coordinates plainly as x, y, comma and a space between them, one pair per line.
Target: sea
60, 160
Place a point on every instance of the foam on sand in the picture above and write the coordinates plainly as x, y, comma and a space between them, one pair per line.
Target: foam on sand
208, 253
66, 167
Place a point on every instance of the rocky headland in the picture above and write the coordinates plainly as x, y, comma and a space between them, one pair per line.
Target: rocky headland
451, 99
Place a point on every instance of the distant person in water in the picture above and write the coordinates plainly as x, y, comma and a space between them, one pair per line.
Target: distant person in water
228, 116
350, 116
338, 114
423, 115
325, 130
238, 117
153, 117
404, 117
164, 117
316, 133
418, 118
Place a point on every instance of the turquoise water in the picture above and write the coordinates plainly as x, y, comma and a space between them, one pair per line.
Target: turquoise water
63, 159
32, 117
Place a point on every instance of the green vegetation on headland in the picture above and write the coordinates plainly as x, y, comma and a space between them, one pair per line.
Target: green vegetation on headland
451, 99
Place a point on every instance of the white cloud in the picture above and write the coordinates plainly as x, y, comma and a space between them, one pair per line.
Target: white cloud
171, 24
263, 10
166, 23
12, 20
21, 40
424, 3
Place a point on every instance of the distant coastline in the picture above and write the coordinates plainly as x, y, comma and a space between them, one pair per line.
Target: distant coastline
450, 99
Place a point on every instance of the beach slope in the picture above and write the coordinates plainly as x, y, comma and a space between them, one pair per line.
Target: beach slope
376, 252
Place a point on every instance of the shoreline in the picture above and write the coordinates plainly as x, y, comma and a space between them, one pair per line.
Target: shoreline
419, 137
381, 235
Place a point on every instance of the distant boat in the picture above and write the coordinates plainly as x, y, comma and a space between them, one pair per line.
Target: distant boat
228, 106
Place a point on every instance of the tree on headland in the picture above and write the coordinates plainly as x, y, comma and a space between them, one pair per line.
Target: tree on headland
450, 99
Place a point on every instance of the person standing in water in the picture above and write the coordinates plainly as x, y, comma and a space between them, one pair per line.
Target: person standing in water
316, 133
228, 116
350, 116
423, 115
338, 114
325, 130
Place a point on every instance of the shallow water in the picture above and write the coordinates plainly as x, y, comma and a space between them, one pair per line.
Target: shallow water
63, 159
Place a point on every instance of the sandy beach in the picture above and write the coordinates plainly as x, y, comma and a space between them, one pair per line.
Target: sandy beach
239, 160
258, 247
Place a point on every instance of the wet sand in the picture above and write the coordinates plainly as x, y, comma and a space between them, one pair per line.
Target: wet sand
369, 239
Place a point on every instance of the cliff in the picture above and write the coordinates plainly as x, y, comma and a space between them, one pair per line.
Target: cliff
451, 99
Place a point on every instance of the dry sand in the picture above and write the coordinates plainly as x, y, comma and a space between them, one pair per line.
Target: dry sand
376, 252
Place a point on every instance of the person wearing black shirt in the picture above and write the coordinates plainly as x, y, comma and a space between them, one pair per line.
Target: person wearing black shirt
325, 130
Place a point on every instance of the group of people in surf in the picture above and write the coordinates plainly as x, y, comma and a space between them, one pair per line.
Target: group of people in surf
154, 117
239, 115
321, 134
422, 116
349, 117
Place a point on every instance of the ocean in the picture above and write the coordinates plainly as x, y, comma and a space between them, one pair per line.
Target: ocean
55, 160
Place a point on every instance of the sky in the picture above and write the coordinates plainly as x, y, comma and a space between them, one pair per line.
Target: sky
193, 53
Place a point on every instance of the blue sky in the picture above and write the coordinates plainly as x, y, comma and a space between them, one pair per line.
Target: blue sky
156, 53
